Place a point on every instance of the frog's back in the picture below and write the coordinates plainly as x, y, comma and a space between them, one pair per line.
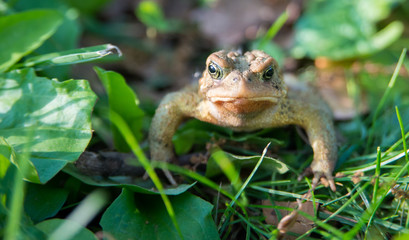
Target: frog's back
305, 93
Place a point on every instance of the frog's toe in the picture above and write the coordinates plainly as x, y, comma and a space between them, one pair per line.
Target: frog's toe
331, 182
169, 176
326, 179
307, 172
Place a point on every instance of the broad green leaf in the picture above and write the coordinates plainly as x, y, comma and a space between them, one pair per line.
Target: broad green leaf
401, 236
43, 202
6, 152
60, 41
139, 216
70, 57
146, 186
195, 132
123, 101
22, 33
269, 164
50, 119
49, 226
341, 29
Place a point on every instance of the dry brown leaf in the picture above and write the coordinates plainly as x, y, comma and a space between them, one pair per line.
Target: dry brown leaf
300, 225
356, 178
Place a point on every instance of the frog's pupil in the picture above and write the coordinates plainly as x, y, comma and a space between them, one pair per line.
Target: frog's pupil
268, 74
215, 71
212, 69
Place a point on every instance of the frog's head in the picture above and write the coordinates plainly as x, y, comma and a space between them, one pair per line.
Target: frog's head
242, 83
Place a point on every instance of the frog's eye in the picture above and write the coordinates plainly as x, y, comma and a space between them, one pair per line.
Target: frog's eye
215, 71
268, 73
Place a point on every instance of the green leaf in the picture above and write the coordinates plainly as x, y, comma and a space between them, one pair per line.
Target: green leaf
123, 101
195, 132
50, 119
70, 57
27, 231
49, 226
6, 152
59, 41
269, 164
89, 6
133, 216
22, 33
150, 13
145, 187
342, 29
401, 236
43, 202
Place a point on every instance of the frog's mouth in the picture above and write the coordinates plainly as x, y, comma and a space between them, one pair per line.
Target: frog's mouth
242, 105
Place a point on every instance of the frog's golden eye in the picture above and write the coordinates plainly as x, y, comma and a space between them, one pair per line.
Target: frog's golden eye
215, 70
268, 73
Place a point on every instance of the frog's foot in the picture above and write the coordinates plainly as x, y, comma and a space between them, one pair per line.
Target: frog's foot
168, 175
325, 178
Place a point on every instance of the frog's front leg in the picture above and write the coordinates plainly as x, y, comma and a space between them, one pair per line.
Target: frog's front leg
318, 124
173, 109
321, 135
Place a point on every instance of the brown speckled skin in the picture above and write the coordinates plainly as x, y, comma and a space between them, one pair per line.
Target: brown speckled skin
243, 100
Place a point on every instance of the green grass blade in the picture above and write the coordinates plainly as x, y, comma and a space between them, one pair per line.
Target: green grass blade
244, 186
228, 213
283, 193
191, 174
372, 166
12, 228
377, 175
368, 215
376, 187
71, 57
396, 144
272, 31
228, 168
405, 148
385, 97
119, 122
335, 232
342, 208
250, 224
82, 215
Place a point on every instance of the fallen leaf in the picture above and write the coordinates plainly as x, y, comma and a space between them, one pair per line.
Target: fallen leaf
301, 224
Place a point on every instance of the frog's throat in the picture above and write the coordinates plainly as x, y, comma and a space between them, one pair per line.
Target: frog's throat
243, 105
238, 100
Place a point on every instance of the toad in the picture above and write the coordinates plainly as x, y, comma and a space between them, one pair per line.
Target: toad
246, 92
